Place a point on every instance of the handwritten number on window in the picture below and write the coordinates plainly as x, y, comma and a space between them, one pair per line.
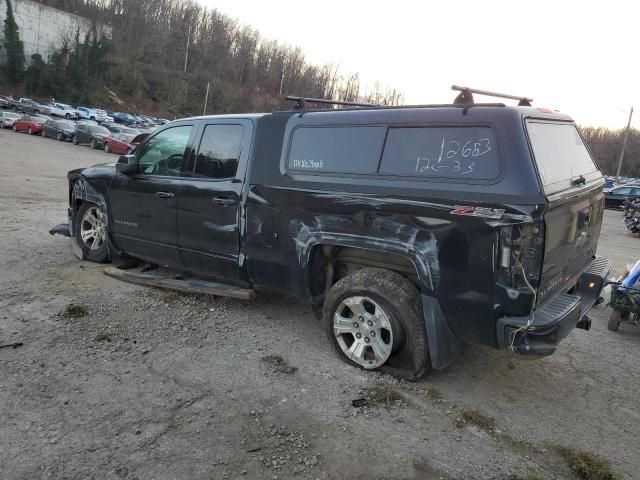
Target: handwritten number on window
469, 168
453, 151
481, 147
455, 158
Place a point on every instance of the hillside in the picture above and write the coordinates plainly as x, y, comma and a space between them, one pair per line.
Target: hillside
163, 53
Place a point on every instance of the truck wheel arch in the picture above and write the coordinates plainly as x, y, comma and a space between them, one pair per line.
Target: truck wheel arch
329, 262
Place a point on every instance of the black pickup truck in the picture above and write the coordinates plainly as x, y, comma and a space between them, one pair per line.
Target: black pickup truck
409, 230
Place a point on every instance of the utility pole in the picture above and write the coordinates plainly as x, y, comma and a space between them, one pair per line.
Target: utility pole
282, 78
624, 145
186, 53
206, 99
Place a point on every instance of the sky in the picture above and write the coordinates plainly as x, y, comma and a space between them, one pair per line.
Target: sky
579, 57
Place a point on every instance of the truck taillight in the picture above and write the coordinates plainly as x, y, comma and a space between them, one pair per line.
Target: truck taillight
520, 254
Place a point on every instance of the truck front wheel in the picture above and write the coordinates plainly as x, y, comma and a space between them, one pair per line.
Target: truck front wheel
91, 233
374, 321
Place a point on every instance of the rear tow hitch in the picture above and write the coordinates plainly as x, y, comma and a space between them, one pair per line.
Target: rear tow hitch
584, 323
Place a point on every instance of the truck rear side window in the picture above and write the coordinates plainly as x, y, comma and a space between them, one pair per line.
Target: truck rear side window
559, 153
336, 149
441, 152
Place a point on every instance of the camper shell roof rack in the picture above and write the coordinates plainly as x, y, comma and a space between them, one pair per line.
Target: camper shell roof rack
301, 102
465, 97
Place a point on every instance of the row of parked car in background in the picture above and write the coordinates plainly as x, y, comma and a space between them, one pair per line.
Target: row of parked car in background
621, 190
110, 136
62, 110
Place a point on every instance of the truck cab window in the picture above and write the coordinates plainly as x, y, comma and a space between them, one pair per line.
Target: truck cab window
219, 151
163, 154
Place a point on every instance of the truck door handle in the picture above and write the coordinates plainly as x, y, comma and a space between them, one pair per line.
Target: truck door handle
224, 201
165, 194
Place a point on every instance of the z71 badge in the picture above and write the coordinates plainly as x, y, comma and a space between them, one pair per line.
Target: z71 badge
478, 211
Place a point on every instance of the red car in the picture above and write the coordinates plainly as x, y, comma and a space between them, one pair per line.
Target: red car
31, 124
123, 143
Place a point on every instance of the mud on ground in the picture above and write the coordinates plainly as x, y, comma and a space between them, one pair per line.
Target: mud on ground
141, 383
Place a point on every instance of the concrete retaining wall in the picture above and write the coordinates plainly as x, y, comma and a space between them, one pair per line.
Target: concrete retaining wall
42, 29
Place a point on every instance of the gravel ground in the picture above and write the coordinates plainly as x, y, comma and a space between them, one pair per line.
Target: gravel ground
150, 384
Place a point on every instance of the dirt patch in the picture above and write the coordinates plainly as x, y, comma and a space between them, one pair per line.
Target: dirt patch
587, 465
434, 394
74, 311
473, 417
383, 396
279, 364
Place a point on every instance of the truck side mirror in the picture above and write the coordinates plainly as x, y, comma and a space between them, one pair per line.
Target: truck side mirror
127, 164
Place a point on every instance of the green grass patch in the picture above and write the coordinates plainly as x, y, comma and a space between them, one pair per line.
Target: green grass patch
529, 476
587, 465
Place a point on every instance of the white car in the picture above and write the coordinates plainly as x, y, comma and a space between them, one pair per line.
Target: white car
7, 119
92, 114
63, 110
103, 114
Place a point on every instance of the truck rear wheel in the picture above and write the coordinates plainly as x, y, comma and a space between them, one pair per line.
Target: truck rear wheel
374, 321
614, 320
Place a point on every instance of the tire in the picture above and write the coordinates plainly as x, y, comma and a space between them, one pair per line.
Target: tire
30, 132
107, 149
91, 233
614, 320
60, 137
92, 144
15, 129
92, 118
374, 320
74, 140
43, 133
67, 116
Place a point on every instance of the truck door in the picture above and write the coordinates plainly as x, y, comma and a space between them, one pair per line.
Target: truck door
209, 203
142, 206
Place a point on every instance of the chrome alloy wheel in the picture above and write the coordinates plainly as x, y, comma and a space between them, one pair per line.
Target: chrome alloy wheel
92, 229
363, 331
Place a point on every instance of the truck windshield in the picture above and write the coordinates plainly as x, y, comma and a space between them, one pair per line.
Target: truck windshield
560, 154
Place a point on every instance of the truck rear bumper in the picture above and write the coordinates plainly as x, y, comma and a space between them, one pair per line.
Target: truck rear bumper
539, 333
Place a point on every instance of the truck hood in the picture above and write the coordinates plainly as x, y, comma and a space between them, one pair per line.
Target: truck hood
98, 170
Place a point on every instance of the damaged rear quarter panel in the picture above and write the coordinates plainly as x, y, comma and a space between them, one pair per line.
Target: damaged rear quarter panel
453, 255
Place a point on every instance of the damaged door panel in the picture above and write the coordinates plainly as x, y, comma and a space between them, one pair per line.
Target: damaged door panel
410, 231
209, 201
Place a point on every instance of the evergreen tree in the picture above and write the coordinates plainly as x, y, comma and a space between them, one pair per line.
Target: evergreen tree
56, 72
14, 49
35, 76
